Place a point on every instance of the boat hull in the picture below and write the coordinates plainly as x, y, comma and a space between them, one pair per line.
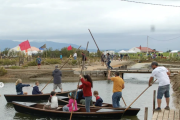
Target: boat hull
32, 98
93, 115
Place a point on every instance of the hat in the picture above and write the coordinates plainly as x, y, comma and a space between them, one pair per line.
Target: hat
56, 66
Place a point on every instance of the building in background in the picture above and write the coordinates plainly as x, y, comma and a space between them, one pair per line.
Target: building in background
141, 49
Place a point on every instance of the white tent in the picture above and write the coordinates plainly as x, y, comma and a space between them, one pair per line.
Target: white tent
122, 51
131, 51
174, 51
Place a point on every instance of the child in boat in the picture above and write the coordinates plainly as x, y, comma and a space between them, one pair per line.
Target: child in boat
19, 87
52, 102
72, 103
99, 100
36, 89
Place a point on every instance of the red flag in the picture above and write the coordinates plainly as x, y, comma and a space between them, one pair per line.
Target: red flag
140, 47
24, 45
69, 48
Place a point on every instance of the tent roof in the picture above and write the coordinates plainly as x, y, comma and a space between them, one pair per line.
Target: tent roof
33, 49
122, 51
174, 51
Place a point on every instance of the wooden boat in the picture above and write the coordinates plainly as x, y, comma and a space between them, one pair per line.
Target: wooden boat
130, 112
96, 113
30, 98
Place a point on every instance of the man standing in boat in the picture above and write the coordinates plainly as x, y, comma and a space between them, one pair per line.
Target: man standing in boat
117, 88
162, 75
57, 79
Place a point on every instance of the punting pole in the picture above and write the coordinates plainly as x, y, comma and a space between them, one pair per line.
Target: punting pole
139, 96
60, 69
94, 39
79, 80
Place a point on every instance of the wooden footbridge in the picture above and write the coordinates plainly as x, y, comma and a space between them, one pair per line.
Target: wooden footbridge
166, 115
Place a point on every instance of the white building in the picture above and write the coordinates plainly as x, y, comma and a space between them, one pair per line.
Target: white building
135, 49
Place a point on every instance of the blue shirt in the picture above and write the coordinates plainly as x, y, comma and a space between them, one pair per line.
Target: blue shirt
36, 90
19, 88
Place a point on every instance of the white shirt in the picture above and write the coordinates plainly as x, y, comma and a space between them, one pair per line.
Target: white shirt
75, 55
160, 73
54, 102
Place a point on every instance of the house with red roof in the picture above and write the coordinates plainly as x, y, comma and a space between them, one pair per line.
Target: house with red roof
141, 49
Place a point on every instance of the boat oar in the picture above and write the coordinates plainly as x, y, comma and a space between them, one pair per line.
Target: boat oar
60, 69
78, 83
139, 96
124, 101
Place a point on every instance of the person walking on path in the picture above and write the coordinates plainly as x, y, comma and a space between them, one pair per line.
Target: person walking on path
102, 59
109, 61
84, 60
162, 75
57, 79
117, 88
38, 60
61, 56
75, 56
87, 84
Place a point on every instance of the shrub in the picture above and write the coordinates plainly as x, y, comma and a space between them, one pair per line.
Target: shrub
15, 67
74, 62
3, 71
32, 63
53, 61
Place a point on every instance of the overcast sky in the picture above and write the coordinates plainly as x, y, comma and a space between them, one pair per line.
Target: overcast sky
114, 23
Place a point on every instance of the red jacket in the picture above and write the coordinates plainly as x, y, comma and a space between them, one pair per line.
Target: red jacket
86, 86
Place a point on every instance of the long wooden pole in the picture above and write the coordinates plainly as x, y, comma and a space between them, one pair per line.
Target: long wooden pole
94, 39
139, 96
124, 101
60, 69
79, 80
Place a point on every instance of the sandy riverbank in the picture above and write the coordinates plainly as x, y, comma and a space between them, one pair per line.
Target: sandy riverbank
45, 73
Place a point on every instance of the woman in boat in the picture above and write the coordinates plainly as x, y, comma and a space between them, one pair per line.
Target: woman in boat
52, 102
87, 84
19, 87
72, 103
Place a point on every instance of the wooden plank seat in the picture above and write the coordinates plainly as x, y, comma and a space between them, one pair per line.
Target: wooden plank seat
104, 105
108, 110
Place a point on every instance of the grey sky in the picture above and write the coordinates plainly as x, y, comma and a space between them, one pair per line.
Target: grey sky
114, 24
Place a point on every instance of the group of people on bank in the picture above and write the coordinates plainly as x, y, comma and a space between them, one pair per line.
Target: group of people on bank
85, 94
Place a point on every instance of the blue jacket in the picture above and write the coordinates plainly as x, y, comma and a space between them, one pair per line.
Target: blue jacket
36, 90
99, 101
19, 88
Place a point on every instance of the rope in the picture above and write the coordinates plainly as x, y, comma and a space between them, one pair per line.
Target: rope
150, 3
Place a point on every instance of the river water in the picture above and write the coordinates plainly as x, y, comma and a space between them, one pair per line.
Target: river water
134, 85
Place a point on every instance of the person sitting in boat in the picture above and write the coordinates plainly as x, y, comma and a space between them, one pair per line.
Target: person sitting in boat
52, 101
19, 87
99, 100
36, 89
72, 103
80, 96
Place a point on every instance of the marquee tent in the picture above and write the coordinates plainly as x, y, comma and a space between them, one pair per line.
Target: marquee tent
122, 51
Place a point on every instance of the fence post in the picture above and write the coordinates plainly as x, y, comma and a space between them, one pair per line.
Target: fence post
146, 113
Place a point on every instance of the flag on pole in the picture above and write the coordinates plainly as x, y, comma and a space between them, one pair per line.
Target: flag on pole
69, 48
42, 47
24, 45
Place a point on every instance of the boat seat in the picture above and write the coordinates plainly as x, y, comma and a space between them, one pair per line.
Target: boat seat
108, 110
78, 109
104, 105
59, 108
